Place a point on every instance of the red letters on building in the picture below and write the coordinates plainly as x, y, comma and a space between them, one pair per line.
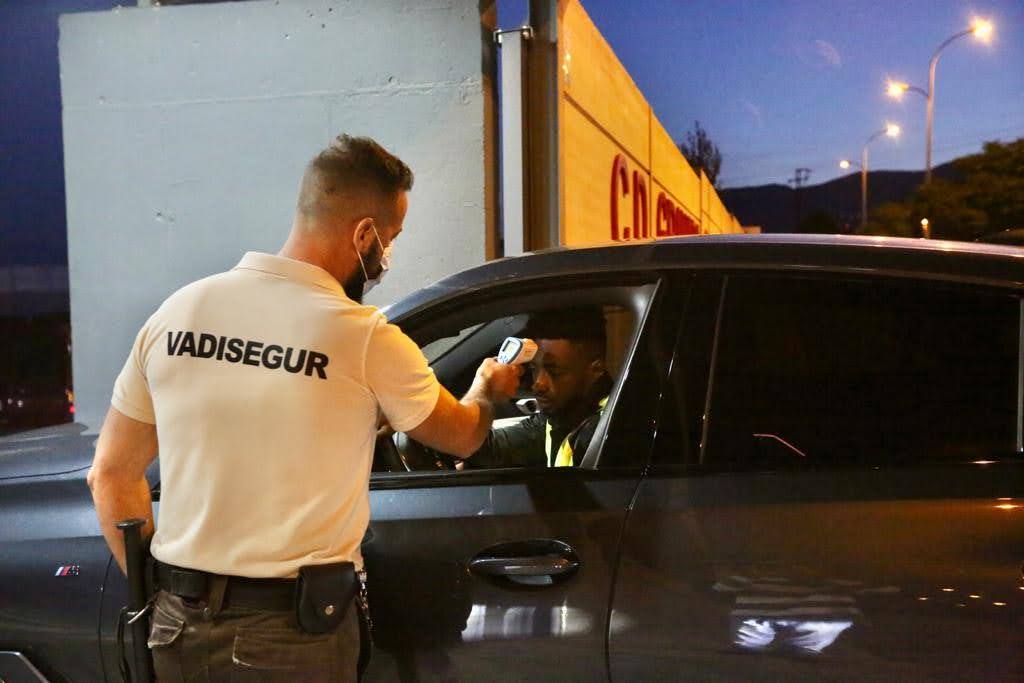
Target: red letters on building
663, 216
683, 224
669, 220
620, 185
640, 213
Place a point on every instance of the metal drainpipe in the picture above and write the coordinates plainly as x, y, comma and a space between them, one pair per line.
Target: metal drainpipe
543, 207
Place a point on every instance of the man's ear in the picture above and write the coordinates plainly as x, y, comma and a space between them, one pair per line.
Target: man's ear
363, 236
597, 367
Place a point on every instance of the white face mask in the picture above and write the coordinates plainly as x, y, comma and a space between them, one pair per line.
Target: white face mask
385, 265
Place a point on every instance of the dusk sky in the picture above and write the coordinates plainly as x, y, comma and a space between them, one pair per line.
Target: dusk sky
777, 84
32, 222
781, 84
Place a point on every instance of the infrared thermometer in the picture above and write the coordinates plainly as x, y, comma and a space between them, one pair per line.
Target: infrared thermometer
516, 351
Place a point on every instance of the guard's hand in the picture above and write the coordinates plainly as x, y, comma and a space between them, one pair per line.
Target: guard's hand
499, 382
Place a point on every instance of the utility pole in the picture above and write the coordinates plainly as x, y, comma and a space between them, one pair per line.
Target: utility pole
799, 179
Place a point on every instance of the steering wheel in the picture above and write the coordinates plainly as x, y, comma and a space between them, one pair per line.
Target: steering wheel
403, 454
422, 458
389, 453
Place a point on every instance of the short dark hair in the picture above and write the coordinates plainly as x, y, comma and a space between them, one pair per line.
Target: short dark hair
352, 169
582, 325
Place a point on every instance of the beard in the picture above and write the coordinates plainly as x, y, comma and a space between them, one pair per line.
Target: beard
353, 286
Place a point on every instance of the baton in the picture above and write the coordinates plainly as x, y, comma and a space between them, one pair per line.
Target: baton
135, 564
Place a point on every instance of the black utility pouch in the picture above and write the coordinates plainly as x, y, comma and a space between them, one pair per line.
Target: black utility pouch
323, 595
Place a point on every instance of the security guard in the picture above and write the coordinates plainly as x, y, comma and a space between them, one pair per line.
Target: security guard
263, 388
572, 386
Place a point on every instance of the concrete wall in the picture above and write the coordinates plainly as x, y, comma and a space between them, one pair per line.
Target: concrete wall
186, 130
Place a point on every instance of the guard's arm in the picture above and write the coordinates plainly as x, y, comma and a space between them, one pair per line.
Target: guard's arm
117, 479
460, 427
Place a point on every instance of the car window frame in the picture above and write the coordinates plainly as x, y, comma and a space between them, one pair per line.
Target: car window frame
426, 320
696, 294
701, 464
649, 331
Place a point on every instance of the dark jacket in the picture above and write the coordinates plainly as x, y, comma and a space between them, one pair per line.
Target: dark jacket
525, 444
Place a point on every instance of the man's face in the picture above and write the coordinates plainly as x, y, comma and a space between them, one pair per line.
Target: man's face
563, 374
389, 232
379, 238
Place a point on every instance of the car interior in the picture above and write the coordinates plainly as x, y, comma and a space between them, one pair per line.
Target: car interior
456, 345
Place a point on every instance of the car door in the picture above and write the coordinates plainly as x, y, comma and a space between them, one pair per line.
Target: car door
836, 489
506, 574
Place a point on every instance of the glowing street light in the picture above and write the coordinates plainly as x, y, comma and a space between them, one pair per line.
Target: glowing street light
982, 30
891, 130
896, 89
845, 164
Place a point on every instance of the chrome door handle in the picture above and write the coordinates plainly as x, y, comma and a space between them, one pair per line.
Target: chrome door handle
530, 562
535, 565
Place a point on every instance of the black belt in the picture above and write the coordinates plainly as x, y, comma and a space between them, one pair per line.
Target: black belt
192, 584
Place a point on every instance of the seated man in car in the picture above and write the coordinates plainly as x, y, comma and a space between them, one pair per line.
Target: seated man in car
571, 385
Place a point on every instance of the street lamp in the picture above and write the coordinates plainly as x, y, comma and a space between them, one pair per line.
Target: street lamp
980, 29
845, 164
891, 130
895, 89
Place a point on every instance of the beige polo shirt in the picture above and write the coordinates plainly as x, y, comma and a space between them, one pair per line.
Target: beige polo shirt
265, 384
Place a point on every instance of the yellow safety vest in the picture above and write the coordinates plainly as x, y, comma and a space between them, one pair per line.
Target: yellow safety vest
563, 458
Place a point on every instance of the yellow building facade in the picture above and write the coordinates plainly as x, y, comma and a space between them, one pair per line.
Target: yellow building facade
622, 178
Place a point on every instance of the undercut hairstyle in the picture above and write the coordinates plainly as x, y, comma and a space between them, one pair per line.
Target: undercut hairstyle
353, 175
583, 326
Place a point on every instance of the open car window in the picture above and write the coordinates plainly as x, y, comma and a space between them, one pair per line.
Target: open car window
437, 348
455, 344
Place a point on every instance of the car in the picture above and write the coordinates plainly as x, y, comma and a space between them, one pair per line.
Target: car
811, 467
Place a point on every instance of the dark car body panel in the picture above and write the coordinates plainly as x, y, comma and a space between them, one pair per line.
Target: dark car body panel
886, 574
49, 615
435, 620
899, 568
673, 559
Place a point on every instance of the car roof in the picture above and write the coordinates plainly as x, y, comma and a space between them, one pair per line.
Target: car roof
967, 262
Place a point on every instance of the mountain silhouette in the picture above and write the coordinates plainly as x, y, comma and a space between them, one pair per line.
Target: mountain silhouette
780, 208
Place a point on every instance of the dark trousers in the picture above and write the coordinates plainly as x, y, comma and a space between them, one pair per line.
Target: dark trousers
200, 641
